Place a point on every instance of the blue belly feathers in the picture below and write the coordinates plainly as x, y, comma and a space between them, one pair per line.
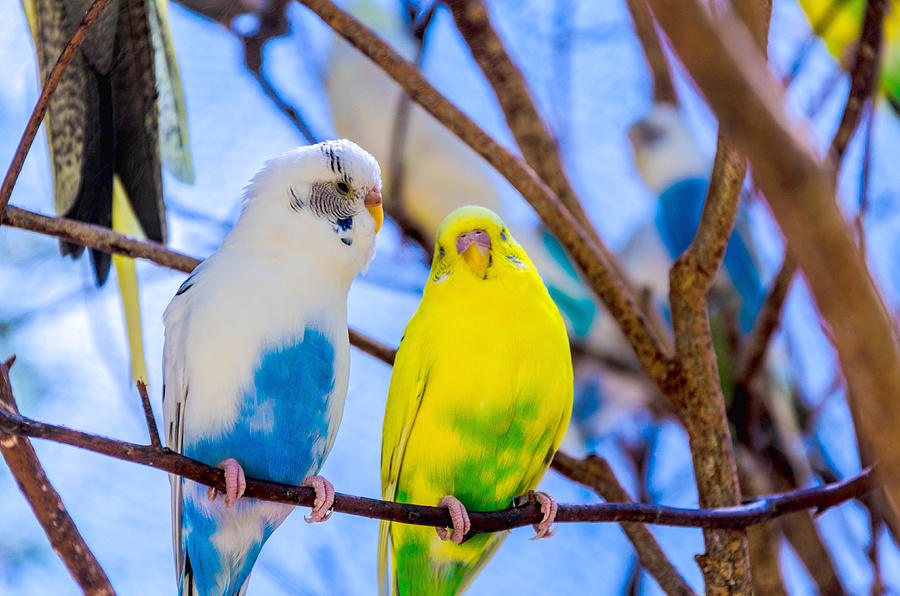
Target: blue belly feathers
282, 424
280, 435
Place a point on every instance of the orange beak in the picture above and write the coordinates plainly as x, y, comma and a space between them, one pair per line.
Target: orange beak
373, 204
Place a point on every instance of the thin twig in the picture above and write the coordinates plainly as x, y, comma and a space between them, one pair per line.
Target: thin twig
48, 508
754, 350
863, 78
729, 69
596, 473
663, 88
40, 108
148, 414
759, 511
107, 240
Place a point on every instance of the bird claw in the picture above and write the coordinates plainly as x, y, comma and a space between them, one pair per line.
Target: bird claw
460, 517
548, 508
321, 509
235, 482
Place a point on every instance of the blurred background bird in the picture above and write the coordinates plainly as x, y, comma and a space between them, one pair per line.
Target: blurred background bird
118, 112
256, 355
480, 398
442, 173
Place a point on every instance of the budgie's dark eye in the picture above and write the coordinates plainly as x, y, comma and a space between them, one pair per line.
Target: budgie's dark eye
342, 187
441, 252
503, 235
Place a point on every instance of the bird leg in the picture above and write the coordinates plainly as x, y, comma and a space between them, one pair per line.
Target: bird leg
460, 517
548, 508
235, 482
324, 498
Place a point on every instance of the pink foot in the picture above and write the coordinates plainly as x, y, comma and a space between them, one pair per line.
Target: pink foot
460, 517
548, 508
324, 498
235, 482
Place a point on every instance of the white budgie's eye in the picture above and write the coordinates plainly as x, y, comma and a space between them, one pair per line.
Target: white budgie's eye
343, 188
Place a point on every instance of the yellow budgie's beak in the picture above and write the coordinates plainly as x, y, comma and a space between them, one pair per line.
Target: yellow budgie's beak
475, 248
373, 205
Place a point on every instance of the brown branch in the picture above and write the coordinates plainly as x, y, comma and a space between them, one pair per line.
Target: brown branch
759, 511
729, 69
701, 404
598, 273
596, 473
533, 136
40, 108
763, 539
768, 319
148, 414
107, 240
863, 77
48, 508
663, 88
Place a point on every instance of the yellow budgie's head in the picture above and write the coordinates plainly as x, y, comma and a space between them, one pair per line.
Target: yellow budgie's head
473, 243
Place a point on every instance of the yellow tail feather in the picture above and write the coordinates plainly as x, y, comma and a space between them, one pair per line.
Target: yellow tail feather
126, 222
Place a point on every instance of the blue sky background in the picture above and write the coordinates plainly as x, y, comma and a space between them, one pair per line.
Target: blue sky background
72, 363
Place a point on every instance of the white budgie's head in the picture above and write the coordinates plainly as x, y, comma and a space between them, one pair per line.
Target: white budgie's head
322, 201
665, 151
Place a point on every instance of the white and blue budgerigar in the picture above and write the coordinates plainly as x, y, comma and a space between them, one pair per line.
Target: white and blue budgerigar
257, 353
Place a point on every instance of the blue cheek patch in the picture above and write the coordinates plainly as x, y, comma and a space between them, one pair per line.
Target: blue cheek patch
282, 424
345, 224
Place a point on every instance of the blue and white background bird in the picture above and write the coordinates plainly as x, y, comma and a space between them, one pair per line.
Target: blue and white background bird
256, 355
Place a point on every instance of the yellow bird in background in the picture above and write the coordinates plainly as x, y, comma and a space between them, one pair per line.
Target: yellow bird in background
118, 111
839, 23
480, 398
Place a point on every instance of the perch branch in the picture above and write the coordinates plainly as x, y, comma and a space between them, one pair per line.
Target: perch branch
756, 512
45, 502
730, 70
40, 108
596, 473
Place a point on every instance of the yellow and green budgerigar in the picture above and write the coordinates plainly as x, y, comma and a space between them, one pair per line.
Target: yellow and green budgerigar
117, 114
480, 398
839, 23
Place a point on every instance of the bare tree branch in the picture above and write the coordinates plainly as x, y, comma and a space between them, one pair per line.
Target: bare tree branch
701, 405
64, 537
753, 352
730, 71
40, 108
863, 78
148, 414
759, 511
663, 88
596, 473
